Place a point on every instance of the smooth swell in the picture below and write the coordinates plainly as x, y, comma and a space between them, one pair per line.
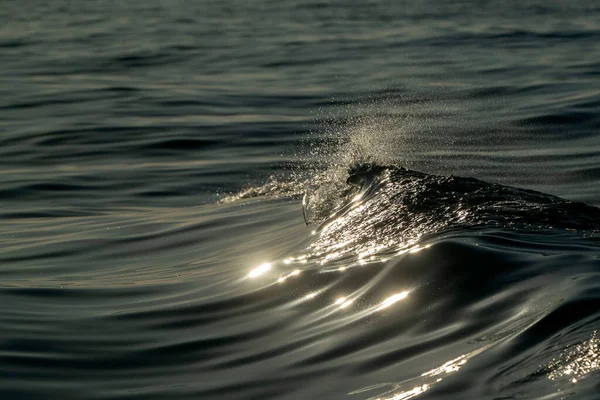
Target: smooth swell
155, 156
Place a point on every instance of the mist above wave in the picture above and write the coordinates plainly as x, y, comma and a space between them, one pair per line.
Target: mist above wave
362, 204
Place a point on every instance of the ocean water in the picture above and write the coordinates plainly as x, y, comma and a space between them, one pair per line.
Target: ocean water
300, 200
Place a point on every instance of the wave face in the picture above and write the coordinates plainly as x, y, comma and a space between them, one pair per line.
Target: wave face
386, 209
440, 286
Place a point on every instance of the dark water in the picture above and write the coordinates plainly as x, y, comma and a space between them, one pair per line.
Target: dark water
159, 161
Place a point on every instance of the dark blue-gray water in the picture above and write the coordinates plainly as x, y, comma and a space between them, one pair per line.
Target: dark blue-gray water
209, 200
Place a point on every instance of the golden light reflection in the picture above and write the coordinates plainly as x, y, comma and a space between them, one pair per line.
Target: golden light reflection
293, 273
392, 299
261, 269
302, 259
340, 300
448, 367
346, 304
422, 383
329, 257
417, 390
343, 302
418, 248
577, 361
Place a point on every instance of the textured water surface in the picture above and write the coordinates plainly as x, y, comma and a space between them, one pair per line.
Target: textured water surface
299, 199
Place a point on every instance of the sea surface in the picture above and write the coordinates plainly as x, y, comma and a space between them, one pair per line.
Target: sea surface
299, 200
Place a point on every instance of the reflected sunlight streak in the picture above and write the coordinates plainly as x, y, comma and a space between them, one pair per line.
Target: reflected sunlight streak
392, 299
423, 382
346, 303
261, 269
340, 300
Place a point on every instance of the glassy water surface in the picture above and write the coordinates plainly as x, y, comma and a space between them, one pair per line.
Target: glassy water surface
300, 199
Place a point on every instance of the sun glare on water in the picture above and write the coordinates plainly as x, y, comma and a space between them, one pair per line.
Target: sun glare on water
261, 269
